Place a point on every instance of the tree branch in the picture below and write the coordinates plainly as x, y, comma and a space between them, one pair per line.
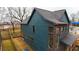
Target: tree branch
15, 17
21, 14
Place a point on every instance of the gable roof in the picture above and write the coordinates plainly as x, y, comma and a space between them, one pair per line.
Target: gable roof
54, 17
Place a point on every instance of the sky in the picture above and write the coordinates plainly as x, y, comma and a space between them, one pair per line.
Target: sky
69, 10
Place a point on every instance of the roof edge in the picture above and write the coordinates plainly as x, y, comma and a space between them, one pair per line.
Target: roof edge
67, 16
31, 16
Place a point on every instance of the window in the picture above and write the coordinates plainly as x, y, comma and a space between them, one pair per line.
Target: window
33, 28
63, 28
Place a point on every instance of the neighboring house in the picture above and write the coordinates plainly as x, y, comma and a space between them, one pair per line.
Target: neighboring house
74, 28
45, 30
76, 20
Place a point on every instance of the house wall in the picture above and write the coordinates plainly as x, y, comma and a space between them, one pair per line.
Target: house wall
40, 36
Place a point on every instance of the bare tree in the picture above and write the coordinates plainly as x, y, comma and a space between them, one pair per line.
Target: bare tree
19, 13
77, 15
11, 18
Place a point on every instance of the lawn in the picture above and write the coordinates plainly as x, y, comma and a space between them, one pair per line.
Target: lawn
20, 44
17, 44
13, 41
7, 45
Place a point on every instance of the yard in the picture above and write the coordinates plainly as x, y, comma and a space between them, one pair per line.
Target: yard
12, 40
16, 44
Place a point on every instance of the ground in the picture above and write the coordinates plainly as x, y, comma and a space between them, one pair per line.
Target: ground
16, 44
13, 40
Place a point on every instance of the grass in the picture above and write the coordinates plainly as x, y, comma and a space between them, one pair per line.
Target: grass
7, 45
16, 43
20, 44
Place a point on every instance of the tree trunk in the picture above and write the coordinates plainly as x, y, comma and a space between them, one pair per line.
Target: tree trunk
0, 41
13, 27
11, 39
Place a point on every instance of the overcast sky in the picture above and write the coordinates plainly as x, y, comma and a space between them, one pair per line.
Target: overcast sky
69, 10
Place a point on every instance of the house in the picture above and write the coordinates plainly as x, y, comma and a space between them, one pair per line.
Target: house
74, 28
45, 29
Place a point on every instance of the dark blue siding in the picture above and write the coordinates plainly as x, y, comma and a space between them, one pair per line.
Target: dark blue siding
27, 33
40, 36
